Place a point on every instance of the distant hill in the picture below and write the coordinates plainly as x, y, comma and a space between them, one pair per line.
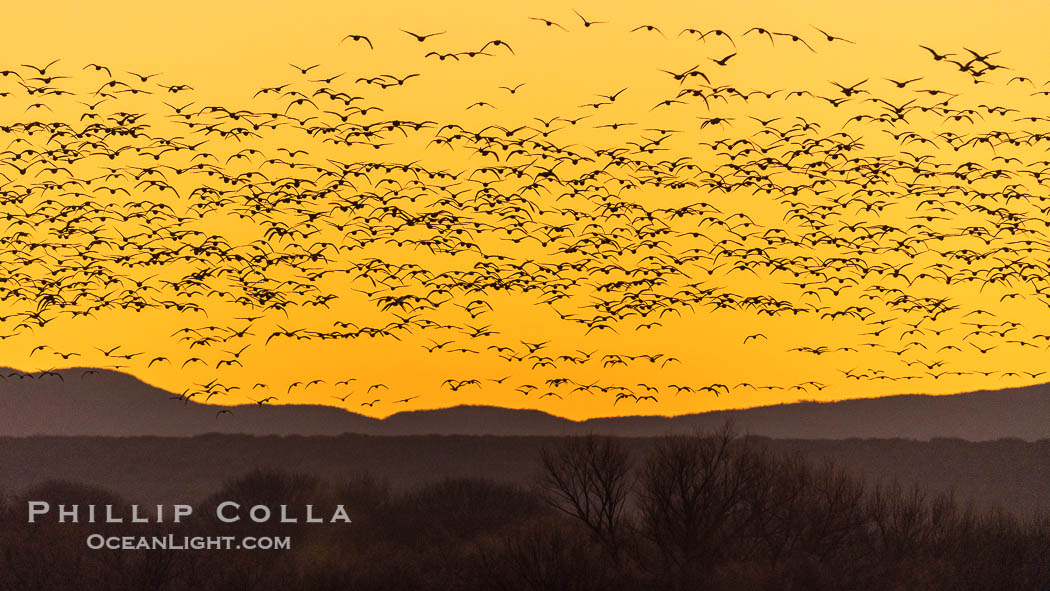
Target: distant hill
110, 403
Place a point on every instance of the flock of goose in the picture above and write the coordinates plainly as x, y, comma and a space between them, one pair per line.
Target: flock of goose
128, 193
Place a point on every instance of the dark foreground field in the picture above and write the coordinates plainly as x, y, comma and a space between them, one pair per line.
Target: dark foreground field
710, 512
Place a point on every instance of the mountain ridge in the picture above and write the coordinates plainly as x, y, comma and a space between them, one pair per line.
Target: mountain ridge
112, 403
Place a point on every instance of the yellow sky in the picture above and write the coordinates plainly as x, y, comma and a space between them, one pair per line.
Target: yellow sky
227, 51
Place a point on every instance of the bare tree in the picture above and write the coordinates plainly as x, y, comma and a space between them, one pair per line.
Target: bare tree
778, 503
899, 517
589, 478
696, 495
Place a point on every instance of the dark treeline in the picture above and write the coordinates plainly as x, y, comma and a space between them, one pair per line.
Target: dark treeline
710, 511
1011, 474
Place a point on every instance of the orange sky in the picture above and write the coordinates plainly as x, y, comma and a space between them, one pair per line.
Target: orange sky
227, 51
